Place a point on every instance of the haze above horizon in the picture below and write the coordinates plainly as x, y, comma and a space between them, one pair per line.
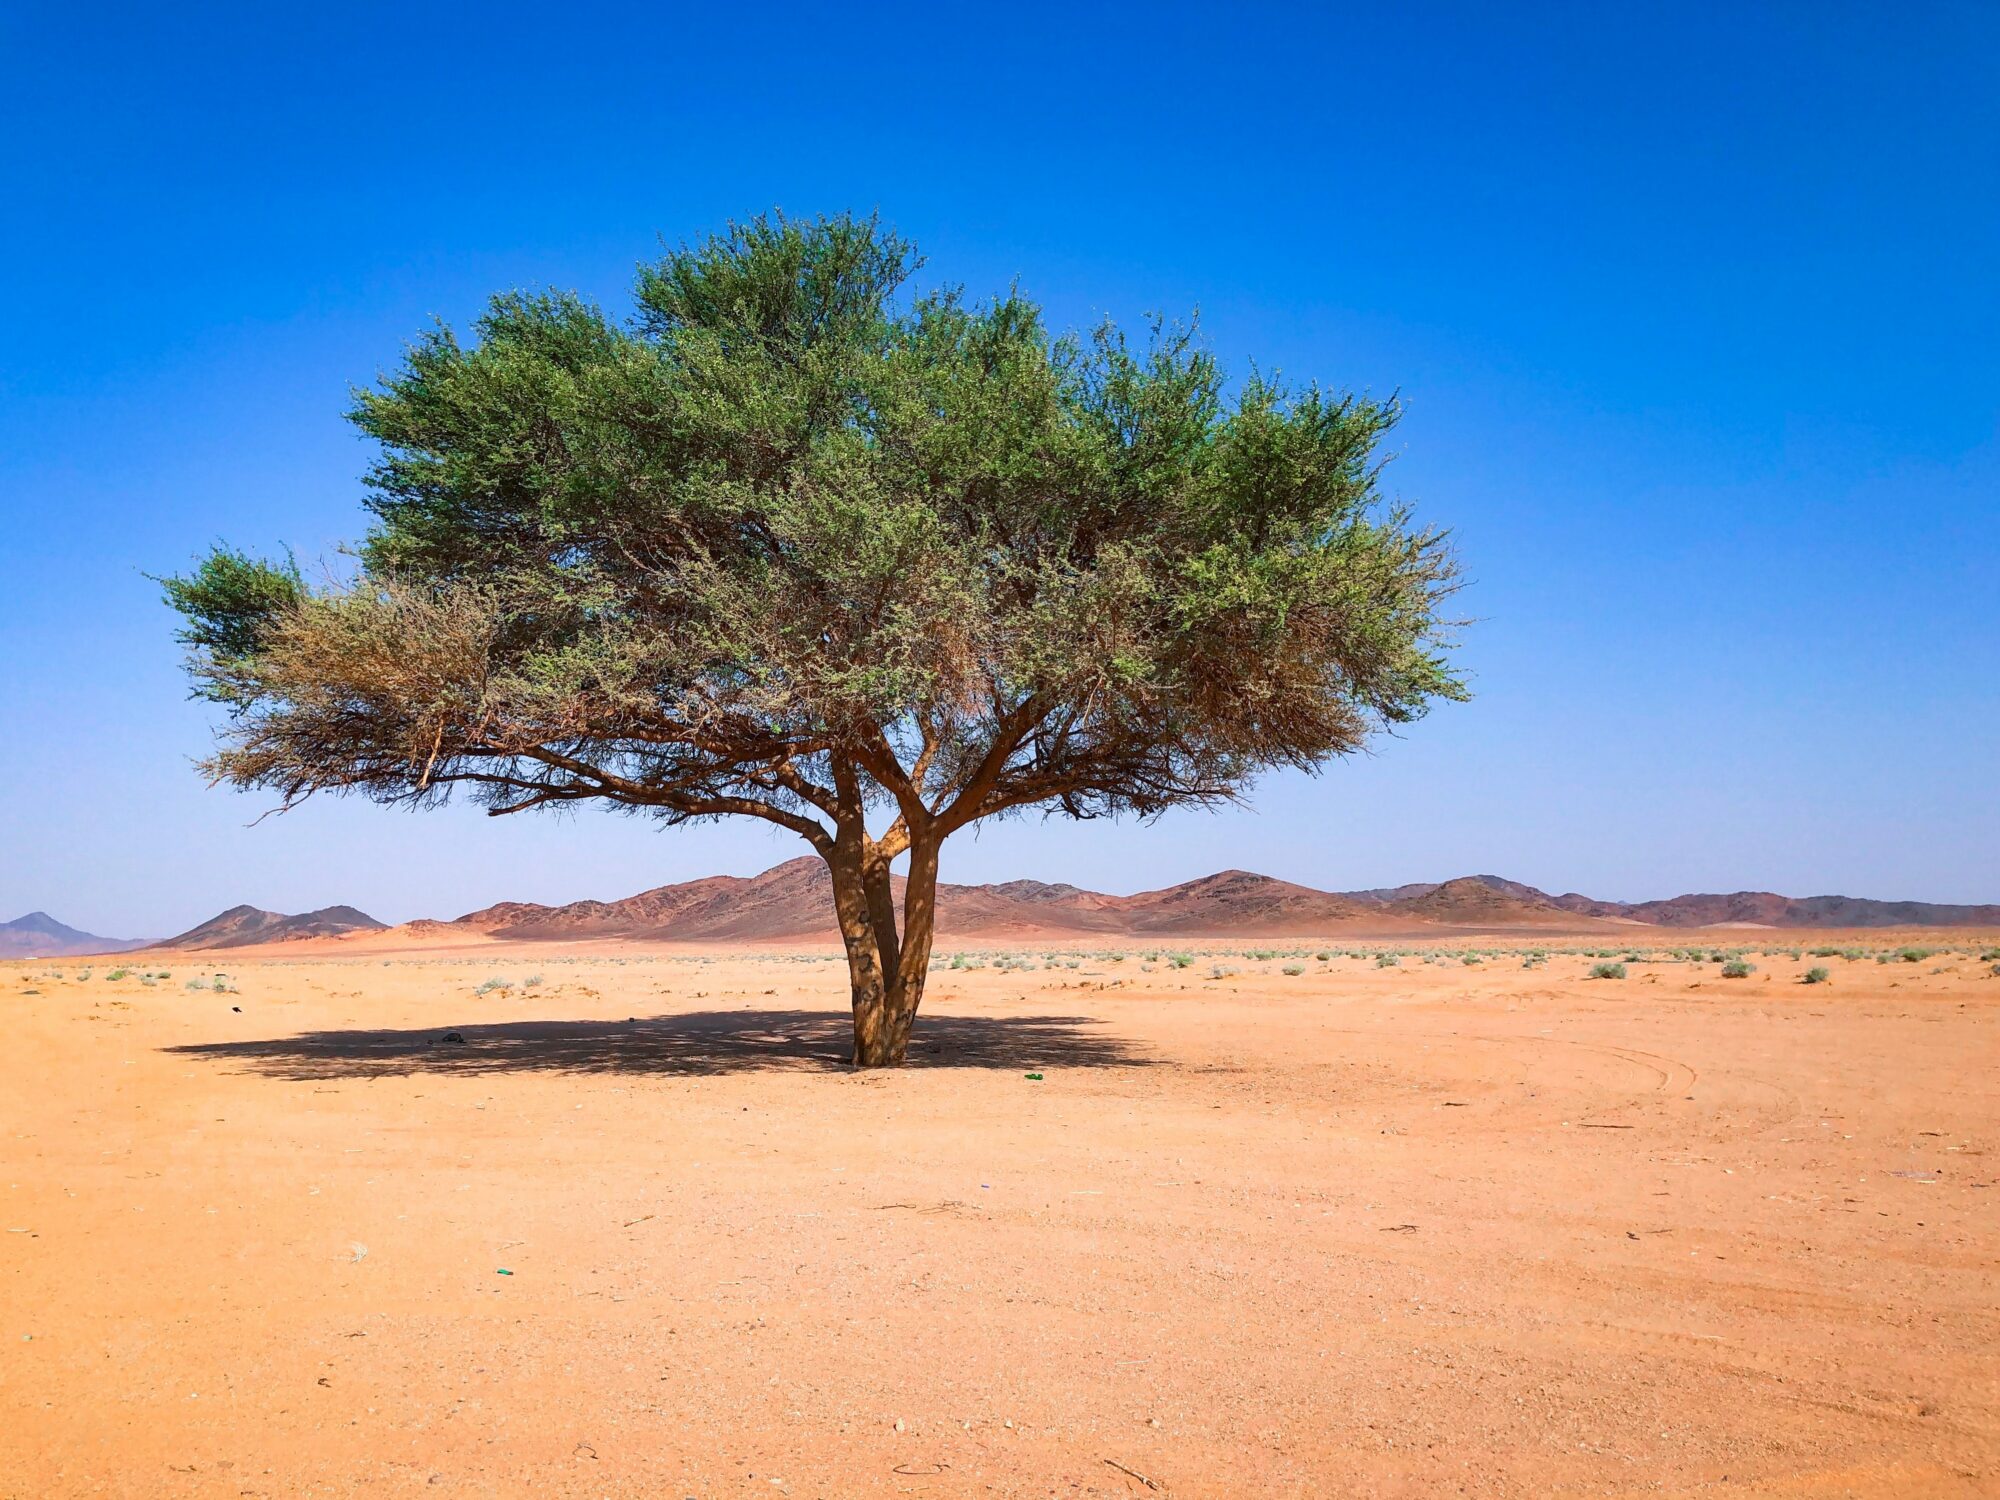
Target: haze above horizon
1694, 320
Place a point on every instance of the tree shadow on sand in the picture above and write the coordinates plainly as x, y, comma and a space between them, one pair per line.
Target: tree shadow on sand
693, 1043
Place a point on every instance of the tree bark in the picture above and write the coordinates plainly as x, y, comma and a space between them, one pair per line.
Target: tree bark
886, 970
906, 986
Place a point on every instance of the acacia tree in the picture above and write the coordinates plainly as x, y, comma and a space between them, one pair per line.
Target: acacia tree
794, 544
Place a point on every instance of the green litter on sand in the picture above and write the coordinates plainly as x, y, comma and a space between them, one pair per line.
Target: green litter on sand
503, 1271
1036, 1077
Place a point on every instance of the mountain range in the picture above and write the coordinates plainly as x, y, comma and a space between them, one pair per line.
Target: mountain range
39, 935
247, 926
793, 901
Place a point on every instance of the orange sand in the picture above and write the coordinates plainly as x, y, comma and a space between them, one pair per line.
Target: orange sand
1431, 1230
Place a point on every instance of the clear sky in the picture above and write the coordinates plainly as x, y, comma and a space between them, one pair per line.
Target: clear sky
1694, 309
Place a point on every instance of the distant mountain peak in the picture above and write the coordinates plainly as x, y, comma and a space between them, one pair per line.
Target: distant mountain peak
244, 926
39, 935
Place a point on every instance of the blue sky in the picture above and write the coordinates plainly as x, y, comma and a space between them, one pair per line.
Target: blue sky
1693, 308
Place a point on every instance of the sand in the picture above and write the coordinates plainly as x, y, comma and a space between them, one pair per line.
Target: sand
1431, 1230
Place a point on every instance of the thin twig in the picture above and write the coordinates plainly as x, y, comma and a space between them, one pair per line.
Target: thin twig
1149, 1484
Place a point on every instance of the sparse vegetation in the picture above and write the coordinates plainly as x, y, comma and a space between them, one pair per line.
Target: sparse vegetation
1607, 971
1737, 968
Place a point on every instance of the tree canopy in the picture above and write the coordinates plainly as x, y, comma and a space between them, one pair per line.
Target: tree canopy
795, 543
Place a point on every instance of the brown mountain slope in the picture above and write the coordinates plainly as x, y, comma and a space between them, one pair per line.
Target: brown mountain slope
1485, 902
1768, 909
794, 900
1238, 901
1387, 895
245, 926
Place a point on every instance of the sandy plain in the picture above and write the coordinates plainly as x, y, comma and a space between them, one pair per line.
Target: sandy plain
1435, 1229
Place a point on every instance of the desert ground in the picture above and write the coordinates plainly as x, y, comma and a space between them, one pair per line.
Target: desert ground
1126, 1226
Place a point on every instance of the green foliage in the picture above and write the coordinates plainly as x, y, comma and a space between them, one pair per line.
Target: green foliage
1817, 975
1737, 968
1607, 971
231, 603
793, 523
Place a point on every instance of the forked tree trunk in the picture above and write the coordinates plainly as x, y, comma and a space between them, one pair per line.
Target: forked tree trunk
885, 968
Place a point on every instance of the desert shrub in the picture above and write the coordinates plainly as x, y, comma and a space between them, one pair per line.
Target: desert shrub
1817, 975
1324, 957
1294, 970
489, 986
118, 974
1991, 955
1386, 960
1607, 971
1180, 960
1915, 955
1737, 968
1826, 953
1470, 959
